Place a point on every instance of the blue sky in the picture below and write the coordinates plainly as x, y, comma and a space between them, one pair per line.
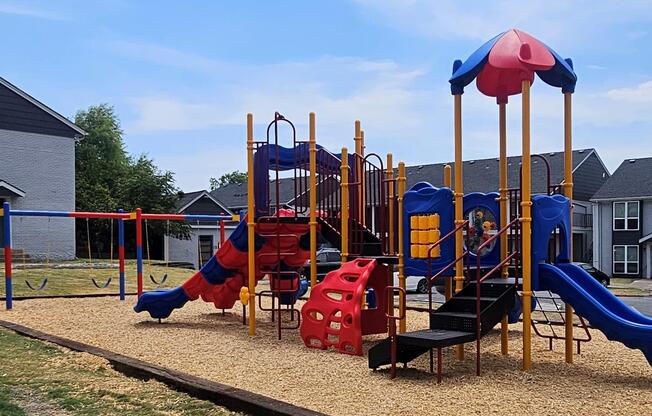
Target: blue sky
182, 75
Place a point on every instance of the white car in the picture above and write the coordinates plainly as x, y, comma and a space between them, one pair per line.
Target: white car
417, 284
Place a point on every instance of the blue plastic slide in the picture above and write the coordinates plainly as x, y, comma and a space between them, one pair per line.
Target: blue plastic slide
591, 300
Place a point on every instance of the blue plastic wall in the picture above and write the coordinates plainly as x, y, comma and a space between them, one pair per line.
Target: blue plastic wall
423, 198
489, 202
549, 213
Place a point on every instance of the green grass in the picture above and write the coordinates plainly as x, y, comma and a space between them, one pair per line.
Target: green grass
38, 378
78, 281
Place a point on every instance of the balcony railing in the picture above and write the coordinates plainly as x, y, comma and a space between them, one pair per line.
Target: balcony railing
582, 220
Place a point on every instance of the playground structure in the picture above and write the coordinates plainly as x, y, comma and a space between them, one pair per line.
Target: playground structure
492, 249
138, 216
351, 199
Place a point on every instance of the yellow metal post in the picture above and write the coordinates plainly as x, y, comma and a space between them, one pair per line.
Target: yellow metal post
459, 201
390, 203
251, 224
448, 183
401, 257
568, 191
313, 201
344, 208
502, 127
526, 229
358, 168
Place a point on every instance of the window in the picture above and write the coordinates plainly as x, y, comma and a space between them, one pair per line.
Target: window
625, 259
321, 258
626, 215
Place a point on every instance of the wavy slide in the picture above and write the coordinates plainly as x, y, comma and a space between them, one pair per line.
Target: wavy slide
590, 299
220, 279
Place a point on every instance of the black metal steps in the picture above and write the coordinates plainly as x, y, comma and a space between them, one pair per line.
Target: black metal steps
453, 323
433, 338
369, 246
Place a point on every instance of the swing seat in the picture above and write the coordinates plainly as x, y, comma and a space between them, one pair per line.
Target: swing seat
38, 288
102, 286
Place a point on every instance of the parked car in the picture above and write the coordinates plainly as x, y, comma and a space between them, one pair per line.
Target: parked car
328, 259
416, 284
599, 275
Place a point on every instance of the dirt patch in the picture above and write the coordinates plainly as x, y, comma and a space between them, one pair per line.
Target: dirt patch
607, 378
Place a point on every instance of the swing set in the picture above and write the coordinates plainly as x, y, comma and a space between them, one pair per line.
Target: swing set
7, 213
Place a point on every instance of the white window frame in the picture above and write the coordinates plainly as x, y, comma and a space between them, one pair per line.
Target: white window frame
625, 262
626, 218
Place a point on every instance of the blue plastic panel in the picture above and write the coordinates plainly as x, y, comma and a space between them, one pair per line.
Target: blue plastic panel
548, 213
423, 198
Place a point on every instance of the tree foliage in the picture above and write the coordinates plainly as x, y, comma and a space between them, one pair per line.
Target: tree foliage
107, 178
228, 178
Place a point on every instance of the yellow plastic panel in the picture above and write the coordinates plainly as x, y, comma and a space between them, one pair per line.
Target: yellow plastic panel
423, 222
433, 221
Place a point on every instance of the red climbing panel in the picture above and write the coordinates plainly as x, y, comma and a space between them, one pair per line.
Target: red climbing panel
334, 314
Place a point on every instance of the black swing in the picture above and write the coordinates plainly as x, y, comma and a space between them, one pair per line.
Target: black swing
44, 282
90, 257
164, 278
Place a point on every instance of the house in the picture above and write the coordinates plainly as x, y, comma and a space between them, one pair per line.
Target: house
37, 172
205, 235
622, 221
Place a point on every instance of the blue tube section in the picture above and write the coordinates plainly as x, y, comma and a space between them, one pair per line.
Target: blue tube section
121, 245
27, 213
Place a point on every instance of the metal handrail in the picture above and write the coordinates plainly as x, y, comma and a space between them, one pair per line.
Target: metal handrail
479, 279
388, 293
430, 279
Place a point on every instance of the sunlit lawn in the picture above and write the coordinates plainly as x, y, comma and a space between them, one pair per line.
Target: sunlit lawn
78, 281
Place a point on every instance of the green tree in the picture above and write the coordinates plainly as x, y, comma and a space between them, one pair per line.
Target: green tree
228, 178
101, 161
107, 178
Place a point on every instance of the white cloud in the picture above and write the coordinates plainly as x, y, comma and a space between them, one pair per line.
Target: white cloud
29, 11
557, 21
639, 94
338, 89
398, 114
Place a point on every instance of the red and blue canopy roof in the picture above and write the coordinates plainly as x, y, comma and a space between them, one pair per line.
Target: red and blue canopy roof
500, 65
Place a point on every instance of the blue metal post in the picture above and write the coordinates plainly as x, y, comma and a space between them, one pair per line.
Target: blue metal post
6, 219
121, 253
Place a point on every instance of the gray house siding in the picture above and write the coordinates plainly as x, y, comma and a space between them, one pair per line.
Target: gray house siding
589, 177
602, 229
187, 251
43, 166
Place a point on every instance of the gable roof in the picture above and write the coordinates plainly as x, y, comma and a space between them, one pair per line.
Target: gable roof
7, 189
60, 125
186, 200
480, 175
632, 179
